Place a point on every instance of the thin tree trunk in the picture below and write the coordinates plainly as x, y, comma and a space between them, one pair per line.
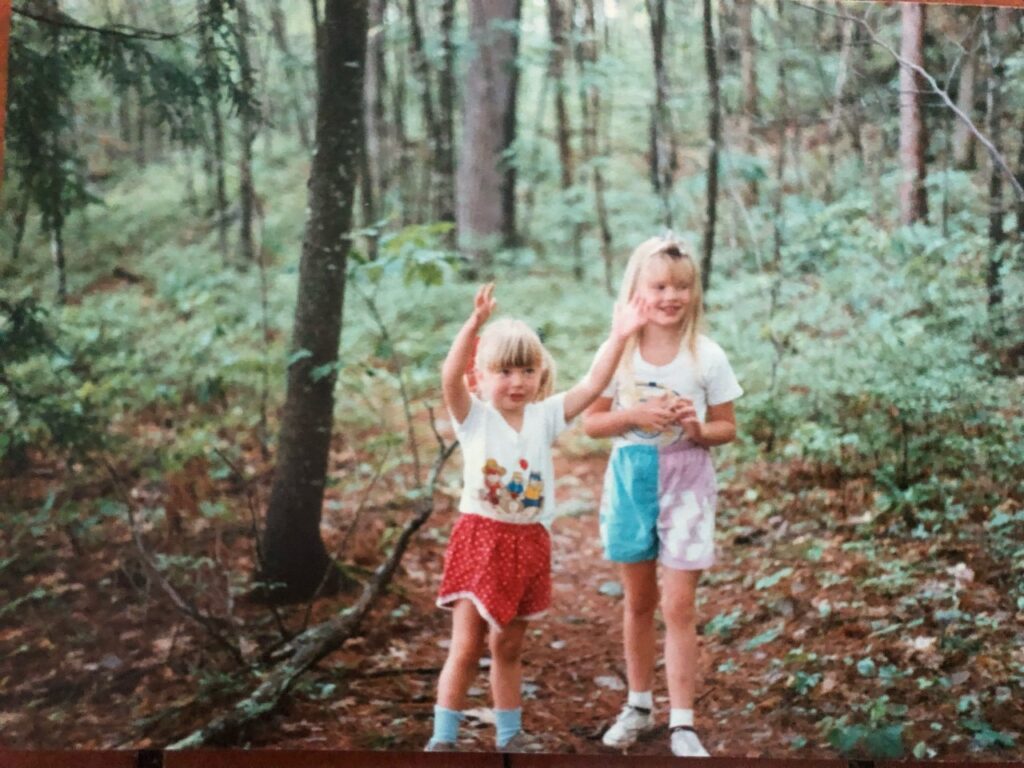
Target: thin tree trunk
838, 93
993, 129
714, 139
661, 129
246, 192
216, 162
590, 111
485, 194
295, 556
279, 33
374, 171
964, 145
20, 219
556, 71
59, 260
913, 197
445, 160
748, 70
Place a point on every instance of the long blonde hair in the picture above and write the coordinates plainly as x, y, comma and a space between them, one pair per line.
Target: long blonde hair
677, 256
511, 343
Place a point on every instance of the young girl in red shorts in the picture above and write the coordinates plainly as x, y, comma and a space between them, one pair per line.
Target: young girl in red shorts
497, 571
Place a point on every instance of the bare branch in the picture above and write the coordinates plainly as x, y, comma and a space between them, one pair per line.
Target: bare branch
997, 158
47, 15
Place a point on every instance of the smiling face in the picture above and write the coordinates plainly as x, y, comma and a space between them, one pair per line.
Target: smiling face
667, 284
511, 388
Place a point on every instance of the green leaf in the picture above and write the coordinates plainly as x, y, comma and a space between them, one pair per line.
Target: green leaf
775, 578
300, 354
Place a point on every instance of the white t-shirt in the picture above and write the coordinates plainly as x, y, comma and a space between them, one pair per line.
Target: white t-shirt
708, 380
510, 475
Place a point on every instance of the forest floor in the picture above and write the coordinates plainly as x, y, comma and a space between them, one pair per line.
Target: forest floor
813, 621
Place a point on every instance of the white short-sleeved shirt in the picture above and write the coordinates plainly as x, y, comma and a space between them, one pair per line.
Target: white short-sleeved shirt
706, 380
510, 475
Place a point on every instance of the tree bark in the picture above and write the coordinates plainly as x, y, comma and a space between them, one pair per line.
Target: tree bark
563, 130
445, 160
279, 33
714, 139
913, 198
247, 115
485, 190
661, 127
295, 556
374, 171
964, 145
748, 70
993, 129
216, 162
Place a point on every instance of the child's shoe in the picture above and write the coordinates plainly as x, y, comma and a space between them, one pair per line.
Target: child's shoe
685, 743
631, 723
521, 742
440, 746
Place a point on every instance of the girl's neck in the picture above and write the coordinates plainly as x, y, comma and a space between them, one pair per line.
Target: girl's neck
659, 344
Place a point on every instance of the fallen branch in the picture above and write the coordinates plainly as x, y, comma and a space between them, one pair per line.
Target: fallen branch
317, 641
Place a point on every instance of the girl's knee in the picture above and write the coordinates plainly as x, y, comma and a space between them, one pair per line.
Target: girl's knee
679, 613
640, 607
506, 646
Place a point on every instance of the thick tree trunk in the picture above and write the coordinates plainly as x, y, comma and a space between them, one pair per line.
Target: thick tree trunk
246, 192
295, 556
714, 139
913, 199
485, 193
430, 121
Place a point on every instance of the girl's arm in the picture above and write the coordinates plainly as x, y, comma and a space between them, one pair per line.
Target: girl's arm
627, 320
719, 427
601, 421
453, 384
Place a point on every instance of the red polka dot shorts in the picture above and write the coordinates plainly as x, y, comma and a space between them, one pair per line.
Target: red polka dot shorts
503, 568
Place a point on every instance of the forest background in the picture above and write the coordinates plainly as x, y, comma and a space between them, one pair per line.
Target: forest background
237, 237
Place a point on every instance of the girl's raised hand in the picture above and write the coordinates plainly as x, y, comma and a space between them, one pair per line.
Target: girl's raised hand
484, 304
630, 318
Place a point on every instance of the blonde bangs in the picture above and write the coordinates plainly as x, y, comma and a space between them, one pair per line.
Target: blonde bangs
509, 343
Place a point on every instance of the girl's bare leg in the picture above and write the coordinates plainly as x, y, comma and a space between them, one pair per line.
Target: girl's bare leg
679, 607
640, 583
469, 630
507, 664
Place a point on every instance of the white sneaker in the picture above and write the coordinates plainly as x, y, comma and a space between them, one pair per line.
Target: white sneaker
685, 743
631, 723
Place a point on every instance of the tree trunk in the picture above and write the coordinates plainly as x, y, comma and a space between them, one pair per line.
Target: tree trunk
294, 552
836, 118
215, 163
590, 111
748, 70
445, 160
913, 199
374, 173
661, 127
964, 155
247, 114
993, 129
714, 138
279, 32
485, 191
59, 260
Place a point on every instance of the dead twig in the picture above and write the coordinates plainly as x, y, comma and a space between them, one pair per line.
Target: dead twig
213, 625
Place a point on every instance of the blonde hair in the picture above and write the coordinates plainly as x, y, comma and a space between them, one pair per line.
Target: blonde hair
511, 343
677, 256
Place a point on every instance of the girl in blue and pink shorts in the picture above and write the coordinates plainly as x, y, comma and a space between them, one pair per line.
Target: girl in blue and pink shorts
669, 402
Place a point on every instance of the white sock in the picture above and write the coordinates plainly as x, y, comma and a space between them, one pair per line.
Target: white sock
641, 699
679, 717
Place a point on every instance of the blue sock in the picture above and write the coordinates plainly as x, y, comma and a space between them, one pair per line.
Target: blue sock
446, 725
509, 722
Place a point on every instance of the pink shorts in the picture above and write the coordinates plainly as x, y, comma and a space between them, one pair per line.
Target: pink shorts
503, 568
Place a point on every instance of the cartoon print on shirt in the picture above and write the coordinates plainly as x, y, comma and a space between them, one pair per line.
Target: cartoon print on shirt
493, 474
644, 392
534, 494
